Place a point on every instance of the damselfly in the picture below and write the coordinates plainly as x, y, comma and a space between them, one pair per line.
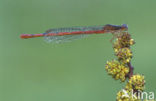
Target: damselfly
66, 34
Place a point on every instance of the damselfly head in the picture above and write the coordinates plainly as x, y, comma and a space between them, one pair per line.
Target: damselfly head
124, 27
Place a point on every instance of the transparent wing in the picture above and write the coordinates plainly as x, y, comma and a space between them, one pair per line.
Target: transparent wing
69, 38
62, 39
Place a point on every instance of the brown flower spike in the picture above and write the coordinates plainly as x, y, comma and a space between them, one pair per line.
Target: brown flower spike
121, 69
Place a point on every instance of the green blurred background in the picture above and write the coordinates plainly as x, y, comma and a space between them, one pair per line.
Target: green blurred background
33, 70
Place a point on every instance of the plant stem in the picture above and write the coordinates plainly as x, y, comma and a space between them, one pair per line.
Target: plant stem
130, 70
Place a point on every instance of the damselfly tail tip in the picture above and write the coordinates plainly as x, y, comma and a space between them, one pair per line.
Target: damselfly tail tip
25, 36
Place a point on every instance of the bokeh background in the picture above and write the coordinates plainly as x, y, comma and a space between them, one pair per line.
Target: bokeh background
33, 70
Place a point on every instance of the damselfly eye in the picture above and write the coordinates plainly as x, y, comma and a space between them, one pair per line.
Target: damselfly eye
125, 26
